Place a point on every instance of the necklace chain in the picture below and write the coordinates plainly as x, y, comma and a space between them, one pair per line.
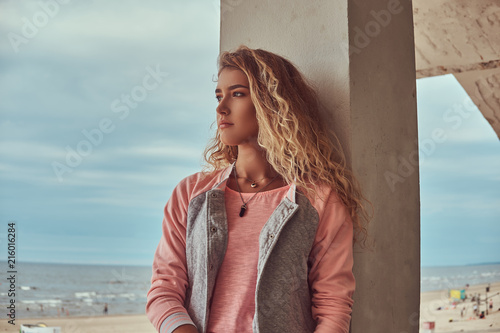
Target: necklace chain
253, 182
244, 206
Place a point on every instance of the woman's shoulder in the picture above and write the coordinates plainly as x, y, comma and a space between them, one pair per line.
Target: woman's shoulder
321, 194
199, 182
324, 198
331, 210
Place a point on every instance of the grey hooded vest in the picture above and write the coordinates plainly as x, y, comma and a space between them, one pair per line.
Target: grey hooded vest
283, 296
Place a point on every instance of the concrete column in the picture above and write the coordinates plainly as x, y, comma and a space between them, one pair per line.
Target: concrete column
360, 57
385, 158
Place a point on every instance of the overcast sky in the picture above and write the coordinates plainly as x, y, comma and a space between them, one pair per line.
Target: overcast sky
106, 105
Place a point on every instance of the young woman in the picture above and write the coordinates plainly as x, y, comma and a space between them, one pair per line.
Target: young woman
262, 241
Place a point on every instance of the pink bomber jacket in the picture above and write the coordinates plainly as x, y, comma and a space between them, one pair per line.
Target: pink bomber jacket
304, 283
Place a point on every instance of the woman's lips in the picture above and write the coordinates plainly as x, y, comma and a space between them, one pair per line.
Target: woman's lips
225, 125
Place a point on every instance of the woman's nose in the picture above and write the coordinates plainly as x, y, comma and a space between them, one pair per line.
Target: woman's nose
222, 107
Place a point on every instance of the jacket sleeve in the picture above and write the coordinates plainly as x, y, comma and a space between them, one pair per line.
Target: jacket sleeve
330, 276
165, 300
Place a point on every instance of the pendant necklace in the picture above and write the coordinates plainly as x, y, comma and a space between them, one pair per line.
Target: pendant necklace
244, 206
253, 183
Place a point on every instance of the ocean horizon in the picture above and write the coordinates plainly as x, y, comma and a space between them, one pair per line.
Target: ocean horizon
61, 289
55, 289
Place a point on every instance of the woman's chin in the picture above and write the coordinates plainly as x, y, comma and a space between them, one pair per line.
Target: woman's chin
251, 141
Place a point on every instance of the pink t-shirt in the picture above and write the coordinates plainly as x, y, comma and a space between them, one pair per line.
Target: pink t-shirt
233, 300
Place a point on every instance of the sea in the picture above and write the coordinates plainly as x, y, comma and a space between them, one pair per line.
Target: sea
457, 277
51, 290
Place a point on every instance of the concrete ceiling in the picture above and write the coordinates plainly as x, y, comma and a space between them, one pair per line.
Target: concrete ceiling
462, 37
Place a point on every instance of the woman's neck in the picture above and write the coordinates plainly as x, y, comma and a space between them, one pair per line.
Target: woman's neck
252, 165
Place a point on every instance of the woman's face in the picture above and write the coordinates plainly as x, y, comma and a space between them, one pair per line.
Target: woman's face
235, 108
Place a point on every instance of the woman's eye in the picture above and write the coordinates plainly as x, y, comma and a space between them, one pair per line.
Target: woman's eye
238, 94
218, 98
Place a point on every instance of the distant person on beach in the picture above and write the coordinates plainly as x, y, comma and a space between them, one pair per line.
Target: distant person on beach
105, 308
263, 238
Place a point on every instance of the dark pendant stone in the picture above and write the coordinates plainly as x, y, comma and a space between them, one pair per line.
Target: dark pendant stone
243, 209
253, 185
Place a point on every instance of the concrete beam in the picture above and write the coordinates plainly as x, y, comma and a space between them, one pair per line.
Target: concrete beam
456, 36
462, 37
483, 87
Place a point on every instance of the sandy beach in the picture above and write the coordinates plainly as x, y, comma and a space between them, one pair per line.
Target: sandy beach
100, 324
447, 319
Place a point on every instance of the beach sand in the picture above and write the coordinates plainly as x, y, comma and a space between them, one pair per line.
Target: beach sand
99, 324
429, 303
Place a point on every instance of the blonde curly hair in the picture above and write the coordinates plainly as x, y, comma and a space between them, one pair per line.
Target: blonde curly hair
290, 131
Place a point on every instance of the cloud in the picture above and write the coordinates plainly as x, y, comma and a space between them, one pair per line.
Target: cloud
82, 30
89, 248
459, 176
61, 85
